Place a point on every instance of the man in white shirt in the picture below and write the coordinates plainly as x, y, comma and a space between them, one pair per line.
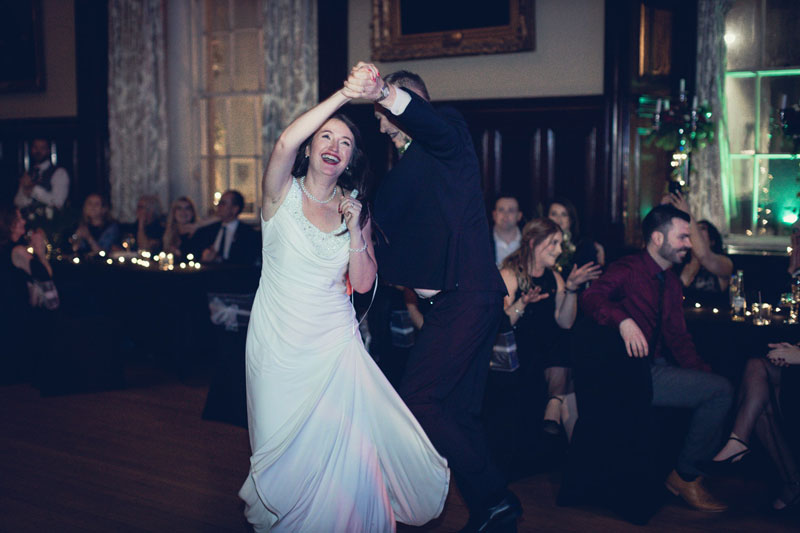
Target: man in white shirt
43, 184
506, 234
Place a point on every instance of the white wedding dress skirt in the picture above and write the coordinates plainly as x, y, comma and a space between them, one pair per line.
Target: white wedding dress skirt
334, 447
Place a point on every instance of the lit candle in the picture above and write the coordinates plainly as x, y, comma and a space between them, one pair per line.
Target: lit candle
694, 102
783, 101
658, 106
682, 85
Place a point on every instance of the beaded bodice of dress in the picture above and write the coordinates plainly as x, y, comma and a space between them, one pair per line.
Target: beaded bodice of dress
325, 244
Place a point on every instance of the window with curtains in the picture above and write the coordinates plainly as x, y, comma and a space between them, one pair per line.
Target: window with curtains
232, 82
763, 77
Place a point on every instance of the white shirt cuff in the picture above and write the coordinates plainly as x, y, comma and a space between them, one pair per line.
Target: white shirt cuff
401, 101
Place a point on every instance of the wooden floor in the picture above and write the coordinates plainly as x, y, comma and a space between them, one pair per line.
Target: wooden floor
141, 459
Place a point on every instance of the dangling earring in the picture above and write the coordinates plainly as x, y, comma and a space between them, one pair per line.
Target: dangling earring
347, 169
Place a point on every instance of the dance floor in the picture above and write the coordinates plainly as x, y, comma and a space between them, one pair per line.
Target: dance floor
142, 459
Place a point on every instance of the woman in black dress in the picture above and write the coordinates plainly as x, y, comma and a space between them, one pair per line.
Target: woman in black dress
539, 306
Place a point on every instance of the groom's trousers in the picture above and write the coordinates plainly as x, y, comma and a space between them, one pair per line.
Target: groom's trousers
444, 387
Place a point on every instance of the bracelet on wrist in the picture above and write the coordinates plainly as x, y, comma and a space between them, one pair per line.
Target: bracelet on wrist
359, 250
570, 291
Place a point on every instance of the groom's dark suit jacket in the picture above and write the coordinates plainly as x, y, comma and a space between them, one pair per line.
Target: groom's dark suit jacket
430, 207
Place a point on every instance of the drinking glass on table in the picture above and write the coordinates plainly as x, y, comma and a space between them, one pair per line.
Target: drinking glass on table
128, 242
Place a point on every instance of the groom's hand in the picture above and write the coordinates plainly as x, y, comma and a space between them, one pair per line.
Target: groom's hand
364, 82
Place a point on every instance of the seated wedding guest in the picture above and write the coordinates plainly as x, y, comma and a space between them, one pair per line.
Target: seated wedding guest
641, 296
505, 232
181, 226
43, 184
97, 230
148, 229
706, 268
539, 304
18, 269
577, 249
229, 240
759, 411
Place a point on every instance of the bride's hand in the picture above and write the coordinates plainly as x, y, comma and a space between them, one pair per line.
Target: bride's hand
350, 208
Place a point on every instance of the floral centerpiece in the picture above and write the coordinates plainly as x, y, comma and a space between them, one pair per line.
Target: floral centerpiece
681, 129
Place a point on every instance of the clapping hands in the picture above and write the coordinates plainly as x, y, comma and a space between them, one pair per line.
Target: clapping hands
784, 354
579, 276
533, 295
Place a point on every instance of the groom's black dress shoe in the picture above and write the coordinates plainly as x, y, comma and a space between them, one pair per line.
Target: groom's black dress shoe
499, 518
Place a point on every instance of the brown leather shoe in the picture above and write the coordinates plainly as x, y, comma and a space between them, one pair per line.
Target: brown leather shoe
694, 493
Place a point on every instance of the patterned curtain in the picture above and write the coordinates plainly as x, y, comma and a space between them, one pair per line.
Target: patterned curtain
709, 196
290, 52
137, 120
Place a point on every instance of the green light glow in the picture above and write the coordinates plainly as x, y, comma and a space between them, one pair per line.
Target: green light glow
789, 218
762, 73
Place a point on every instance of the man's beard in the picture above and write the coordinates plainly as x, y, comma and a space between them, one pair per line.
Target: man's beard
672, 254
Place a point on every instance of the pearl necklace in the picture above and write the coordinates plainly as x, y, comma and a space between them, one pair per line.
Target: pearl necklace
311, 196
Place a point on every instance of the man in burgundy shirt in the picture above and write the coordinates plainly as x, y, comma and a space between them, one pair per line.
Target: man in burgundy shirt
642, 296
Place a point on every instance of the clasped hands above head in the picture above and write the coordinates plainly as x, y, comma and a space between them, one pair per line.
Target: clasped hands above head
364, 82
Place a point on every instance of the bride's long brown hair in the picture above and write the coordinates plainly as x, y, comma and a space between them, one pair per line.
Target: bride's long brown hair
521, 261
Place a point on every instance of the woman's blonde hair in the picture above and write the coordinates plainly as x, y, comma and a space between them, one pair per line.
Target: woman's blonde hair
521, 261
172, 238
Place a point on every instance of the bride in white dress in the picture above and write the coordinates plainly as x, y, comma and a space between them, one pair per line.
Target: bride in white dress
334, 447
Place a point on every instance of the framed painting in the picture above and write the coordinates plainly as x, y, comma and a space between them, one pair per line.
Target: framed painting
21, 46
413, 29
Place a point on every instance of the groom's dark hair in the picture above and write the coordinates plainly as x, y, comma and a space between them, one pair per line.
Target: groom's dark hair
409, 80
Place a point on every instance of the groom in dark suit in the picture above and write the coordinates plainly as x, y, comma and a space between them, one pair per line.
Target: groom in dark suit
430, 208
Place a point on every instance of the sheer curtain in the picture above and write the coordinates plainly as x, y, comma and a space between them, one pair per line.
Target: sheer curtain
708, 197
290, 60
137, 119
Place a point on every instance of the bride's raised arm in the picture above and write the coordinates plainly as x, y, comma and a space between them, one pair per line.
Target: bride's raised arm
277, 175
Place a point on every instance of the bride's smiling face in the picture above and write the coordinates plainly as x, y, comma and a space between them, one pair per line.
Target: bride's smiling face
331, 148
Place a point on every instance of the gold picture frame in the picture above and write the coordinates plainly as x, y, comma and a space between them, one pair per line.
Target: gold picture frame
413, 29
